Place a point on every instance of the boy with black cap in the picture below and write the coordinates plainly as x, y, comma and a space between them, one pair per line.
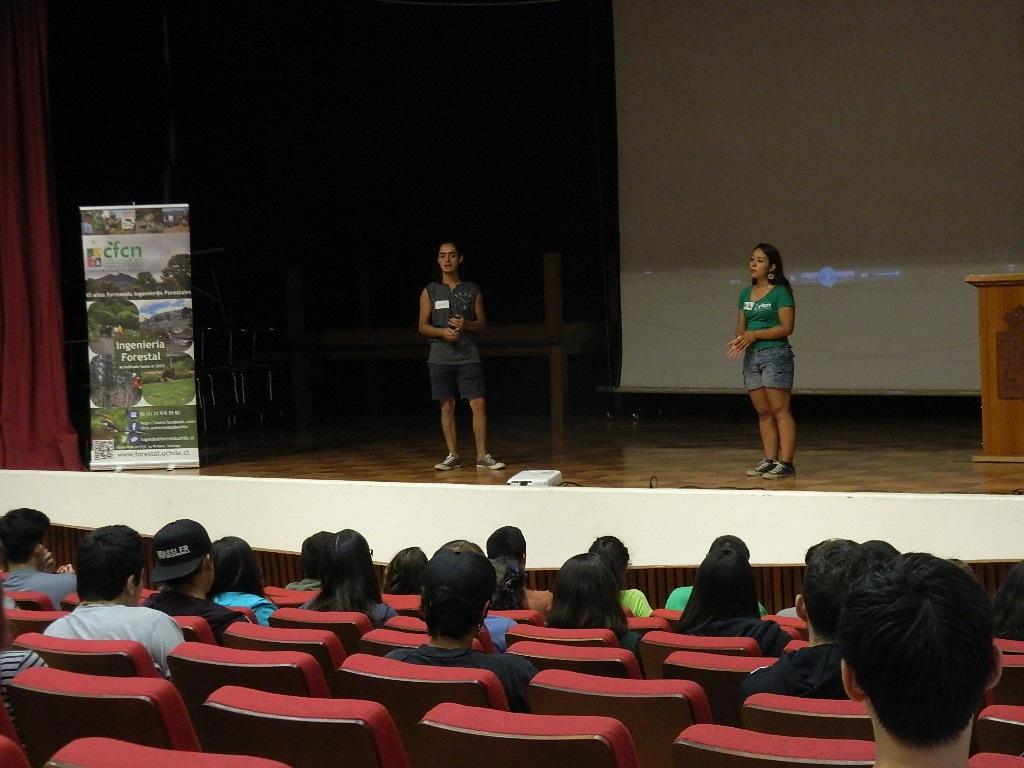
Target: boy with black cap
457, 589
184, 568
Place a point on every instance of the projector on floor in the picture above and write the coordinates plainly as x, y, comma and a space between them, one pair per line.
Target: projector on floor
536, 477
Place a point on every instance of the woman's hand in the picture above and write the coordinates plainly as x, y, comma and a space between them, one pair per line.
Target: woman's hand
739, 345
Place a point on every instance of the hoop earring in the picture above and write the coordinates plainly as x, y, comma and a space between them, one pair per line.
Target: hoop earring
771, 276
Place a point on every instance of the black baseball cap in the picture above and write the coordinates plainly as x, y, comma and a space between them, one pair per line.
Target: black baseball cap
465, 573
179, 548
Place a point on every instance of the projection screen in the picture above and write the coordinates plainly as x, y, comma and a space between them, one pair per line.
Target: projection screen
877, 144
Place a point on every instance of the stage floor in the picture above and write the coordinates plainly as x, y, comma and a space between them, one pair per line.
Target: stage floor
860, 453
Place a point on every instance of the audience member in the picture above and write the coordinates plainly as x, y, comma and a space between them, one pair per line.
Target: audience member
616, 557
237, 578
349, 581
724, 604
1008, 606
404, 574
586, 596
12, 660
916, 641
496, 626
184, 569
30, 566
510, 594
814, 672
313, 555
110, 562
879, 552
509, 541
680, 596
457, 587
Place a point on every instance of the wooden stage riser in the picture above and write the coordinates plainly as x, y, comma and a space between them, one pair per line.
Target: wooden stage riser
778, 585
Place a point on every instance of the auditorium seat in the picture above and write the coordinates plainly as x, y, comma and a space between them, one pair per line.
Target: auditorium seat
11, 753
1010, 646
719, 746
323, 645
1010, 688
650, 624
589, 659
349, 626
520, 616
1000, 728
99, 752
992, 760
654, 711
196, 629
305, 732
290, 598
380, 642
795, 645
246, 611
7, 728
406, 605
789, 622
199, 669
70, 602
817, 718
409, 691
669, 615
575, 637
30, 600
55, 707
457, 736
656, 646
22, 620
719, 675
120, 658
407, 624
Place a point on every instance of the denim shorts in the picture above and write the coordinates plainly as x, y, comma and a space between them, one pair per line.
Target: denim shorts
772, 367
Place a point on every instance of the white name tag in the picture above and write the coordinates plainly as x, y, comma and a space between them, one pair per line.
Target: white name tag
748, 305
442, 304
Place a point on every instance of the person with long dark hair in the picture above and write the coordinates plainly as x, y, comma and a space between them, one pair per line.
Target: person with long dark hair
724, 604
1008, 606
616, 557
451, 312
764, 323
586, 596
349, 581
237, 578
510, 594
404, 574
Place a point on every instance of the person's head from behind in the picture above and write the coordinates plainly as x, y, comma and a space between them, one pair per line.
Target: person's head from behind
22, 532
183, 562
110, 562
235, 568
724, 589
460, 545
728, 541
507, 541
832, 567
1008, 606
404, 574
314, 552
615, 556
349, 581
510, 592
916, 642
879, 552
457, 587
586, 596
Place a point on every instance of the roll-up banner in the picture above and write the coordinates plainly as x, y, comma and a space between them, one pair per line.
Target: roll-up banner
138, 292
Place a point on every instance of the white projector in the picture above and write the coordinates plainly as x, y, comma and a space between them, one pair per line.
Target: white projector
536, 477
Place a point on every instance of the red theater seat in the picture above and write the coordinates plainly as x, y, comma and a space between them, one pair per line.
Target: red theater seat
521, 616
789, 623
815, 718
462, 737
1010, 688
22, 620
112, 753
196, 629
1010, 646
407, 624
1000, 728
669, 615
305, 732
406, 605
120, 658
719, 675
990, 760
591, 660
650, 624
719, 746
30, 600
322, 644
656, 646
349, 626
11, 754
576, 637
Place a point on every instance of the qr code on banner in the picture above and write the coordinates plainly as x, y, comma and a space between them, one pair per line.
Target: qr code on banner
102, 449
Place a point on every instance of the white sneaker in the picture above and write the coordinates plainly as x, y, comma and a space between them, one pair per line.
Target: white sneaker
489, 462
451, 461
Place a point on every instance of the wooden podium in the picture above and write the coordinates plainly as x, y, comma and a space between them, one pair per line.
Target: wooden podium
1001, 335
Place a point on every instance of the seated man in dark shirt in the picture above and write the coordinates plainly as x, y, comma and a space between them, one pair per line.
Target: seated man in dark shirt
457, 588
184, 568
832, 566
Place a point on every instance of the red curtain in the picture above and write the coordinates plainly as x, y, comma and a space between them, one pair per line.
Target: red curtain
35, 432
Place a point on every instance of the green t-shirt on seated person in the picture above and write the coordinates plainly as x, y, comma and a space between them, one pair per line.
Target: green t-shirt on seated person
680, 596
764, 313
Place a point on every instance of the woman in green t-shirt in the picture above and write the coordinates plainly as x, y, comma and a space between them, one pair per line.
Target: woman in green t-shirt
764, 323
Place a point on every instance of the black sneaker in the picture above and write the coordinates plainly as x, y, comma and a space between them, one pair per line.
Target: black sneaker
780, 470
764, 465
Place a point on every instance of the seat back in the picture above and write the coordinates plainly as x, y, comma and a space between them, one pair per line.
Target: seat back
1010, 646
31, 600
653, 711
55, 707
120, 658
349, 626
409, 691
719, 675
308, 733
992, 760
650, 624
520, 616
407, 624
199, 669
380, 642
322, 644
70, 601
196, 629
719, 746
1010, 688
456, 736
656, 646
589, 659
11, 753
1000, 728
290, 598
22, 620
97, 752
246, 611
405, 605
816, 718
789, 623
575, 637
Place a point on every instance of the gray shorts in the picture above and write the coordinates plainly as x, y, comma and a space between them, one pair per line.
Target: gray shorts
465, 380
772, 367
